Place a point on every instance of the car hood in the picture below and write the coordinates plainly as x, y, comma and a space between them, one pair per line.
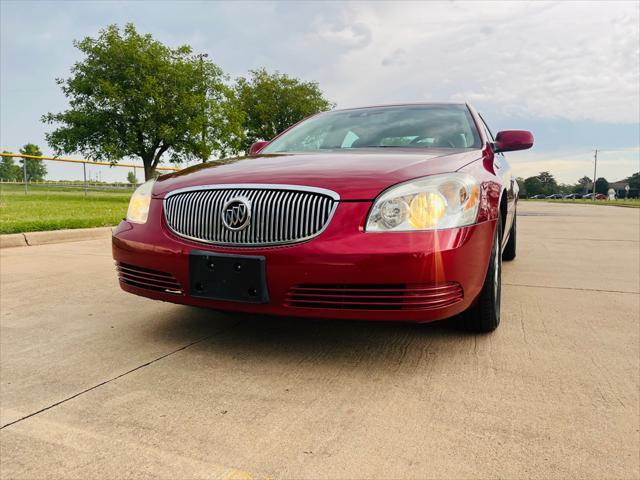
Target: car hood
357, 175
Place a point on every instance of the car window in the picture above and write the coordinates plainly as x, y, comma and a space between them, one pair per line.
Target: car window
399, 141
313, 139
411, 126
349, 139
486, 128
488, 133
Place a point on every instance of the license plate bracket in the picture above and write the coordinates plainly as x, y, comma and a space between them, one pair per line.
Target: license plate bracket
235, 278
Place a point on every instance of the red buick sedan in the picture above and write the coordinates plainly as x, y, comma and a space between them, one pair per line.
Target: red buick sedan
400, 212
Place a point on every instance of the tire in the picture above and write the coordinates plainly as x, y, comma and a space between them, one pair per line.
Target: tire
510, 249
484, 315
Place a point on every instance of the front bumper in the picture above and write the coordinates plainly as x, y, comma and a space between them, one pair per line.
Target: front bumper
342, 255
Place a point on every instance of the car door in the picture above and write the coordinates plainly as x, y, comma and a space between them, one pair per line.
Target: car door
503, 170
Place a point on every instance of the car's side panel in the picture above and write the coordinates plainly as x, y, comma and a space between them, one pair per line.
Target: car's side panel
501, 172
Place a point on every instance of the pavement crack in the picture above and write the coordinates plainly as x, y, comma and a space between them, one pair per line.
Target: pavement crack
569, 288
139, 367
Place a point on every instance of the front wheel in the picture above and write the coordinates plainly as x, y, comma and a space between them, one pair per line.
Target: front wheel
510, 249
484, 315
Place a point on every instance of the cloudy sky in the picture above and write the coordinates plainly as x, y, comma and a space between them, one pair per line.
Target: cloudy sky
570, 72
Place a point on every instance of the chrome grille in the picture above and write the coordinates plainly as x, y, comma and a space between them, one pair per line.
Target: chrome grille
280, 214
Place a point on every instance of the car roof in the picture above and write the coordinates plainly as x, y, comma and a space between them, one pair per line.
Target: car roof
412, 104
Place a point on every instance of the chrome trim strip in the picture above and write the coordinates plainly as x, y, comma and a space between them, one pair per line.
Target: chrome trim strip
256, 186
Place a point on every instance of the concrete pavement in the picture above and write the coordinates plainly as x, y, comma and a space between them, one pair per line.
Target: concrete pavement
95, 383
53, 236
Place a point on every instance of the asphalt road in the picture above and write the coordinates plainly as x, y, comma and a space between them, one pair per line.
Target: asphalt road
96, 383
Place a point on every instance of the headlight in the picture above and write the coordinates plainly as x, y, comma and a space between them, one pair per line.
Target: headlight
429, 203
139, 203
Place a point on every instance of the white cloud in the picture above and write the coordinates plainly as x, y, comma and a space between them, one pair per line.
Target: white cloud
398, 57
572, 60
346, 35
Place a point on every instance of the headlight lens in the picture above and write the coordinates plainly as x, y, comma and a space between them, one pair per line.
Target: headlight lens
429, 203
139, 203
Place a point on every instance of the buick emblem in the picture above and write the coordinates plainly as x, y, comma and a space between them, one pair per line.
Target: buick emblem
236, 214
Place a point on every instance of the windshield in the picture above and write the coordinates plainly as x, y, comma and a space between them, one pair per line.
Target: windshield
412, 126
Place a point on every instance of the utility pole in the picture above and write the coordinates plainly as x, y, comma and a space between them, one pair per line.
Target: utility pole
202, 56
595, 168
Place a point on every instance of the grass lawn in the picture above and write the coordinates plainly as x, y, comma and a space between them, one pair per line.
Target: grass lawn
631, 202
54, 208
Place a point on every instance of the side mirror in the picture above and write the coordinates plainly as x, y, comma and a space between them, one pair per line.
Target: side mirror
509, 140
257, 146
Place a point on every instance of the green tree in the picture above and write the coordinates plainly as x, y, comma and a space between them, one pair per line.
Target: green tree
131, 178
602, 185
634, 181
585, 181
272, 102
36, 169
533, 186
565, 188
548, 183
521, 185
9, 171
132, 96
583, 185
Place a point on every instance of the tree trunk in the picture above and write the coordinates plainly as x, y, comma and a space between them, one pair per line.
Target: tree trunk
152, 160
149, 168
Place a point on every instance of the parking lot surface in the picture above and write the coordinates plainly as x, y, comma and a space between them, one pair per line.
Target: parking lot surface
96, 383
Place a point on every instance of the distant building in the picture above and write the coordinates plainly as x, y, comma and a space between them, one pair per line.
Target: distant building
620, 188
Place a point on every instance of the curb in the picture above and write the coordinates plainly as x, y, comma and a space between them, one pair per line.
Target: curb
13, 240
29, 239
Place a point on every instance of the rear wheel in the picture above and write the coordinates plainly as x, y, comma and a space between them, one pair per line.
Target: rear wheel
510, 249
484, 315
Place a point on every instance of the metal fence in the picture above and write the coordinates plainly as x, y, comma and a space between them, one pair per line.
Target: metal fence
80, 185
85, 184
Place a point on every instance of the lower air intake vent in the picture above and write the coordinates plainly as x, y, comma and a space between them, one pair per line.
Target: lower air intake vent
148, 279
375, 297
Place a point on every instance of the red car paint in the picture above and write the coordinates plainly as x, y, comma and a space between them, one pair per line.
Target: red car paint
343, 254
256, 147
512, 140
